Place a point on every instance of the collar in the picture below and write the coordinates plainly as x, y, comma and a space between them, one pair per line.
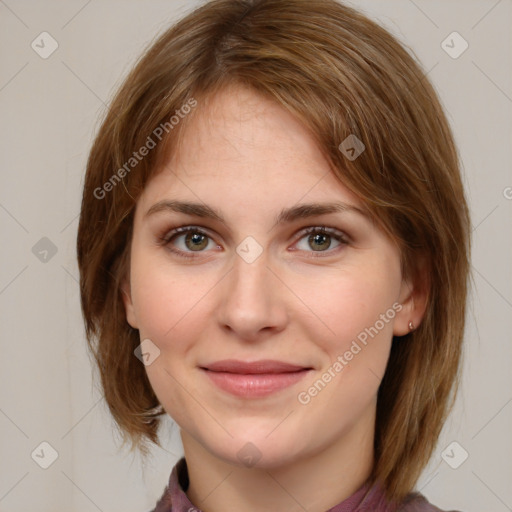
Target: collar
175, 499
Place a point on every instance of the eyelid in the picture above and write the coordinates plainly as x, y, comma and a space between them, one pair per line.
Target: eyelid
336, 232
169, 234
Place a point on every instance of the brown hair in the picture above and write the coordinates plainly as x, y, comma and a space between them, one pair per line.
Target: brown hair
340, 74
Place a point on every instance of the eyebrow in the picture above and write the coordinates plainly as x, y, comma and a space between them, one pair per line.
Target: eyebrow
287, 215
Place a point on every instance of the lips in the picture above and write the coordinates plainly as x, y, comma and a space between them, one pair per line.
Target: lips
256, 367
256, 379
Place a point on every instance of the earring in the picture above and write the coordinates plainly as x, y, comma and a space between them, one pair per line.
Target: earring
411, 326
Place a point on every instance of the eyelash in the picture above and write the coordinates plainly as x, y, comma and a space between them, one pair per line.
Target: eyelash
168, 236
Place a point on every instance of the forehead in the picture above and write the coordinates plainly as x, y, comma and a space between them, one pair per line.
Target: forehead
241, 143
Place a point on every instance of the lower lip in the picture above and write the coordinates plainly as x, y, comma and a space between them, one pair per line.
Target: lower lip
254, 385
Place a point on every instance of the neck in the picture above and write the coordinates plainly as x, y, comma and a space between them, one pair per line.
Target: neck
316, 482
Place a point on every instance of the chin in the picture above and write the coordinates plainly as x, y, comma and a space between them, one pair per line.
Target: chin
258, 451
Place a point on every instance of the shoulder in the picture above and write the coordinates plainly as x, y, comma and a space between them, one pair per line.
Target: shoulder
416, 502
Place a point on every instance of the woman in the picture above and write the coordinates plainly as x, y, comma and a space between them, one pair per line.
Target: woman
274, 250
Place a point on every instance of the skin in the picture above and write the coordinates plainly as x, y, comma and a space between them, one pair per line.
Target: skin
247, 157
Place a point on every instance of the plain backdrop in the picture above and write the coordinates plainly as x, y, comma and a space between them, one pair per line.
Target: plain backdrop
50, 109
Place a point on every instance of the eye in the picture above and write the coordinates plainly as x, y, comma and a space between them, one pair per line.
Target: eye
187, 240
320, 239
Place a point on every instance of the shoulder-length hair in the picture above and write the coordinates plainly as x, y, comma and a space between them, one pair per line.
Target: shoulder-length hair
340, 74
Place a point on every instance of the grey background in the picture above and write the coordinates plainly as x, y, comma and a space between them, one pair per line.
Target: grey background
50, 109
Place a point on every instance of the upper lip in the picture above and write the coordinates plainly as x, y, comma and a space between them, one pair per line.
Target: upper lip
254, 367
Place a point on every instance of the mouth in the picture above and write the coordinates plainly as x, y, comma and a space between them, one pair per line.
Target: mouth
255, 379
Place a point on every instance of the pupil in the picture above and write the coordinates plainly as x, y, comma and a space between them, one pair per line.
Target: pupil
197, 240
320, 239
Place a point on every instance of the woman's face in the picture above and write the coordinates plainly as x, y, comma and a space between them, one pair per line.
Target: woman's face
257, 286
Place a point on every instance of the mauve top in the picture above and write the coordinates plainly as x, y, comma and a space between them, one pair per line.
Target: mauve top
366, 499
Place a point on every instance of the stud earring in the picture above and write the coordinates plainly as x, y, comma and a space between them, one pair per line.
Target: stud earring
411, 326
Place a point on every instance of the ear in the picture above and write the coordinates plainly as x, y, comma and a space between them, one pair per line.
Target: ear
414, 293
128, 304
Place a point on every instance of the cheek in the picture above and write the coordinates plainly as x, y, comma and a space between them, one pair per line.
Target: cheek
170, 309
358, 309
344, 304
165, 300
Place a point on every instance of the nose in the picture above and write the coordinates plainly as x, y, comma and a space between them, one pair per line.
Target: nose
251, 301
